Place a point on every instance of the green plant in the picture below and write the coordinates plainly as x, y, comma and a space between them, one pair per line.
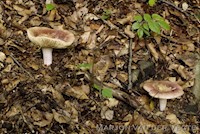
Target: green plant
50, 7
105, 92
146, 23
106, 14
152, 2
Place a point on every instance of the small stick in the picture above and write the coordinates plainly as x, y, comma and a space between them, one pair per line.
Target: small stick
129, 65
174, 6
11, 55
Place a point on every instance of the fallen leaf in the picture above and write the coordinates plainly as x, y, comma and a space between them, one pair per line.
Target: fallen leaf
14, 110
76, 92
46, 120
107, 113
61, 116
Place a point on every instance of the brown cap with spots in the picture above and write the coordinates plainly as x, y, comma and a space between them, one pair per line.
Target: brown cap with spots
163, 89
50, 38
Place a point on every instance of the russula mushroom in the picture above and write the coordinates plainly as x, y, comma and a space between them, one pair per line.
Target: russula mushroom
163, 90
48, 39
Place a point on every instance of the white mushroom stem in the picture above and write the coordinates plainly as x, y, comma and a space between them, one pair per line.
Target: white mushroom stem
163, 104
47, 56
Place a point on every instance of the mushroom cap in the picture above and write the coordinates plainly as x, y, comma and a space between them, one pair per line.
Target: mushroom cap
50, 38
163, 89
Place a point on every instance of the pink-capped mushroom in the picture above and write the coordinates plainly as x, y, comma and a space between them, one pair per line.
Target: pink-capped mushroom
48, 39
163, 90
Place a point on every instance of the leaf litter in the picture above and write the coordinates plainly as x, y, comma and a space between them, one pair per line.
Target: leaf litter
61, 98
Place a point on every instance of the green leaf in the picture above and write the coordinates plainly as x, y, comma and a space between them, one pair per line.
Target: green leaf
107, 93
146, 32
164, 25
147, 17
157, 17
145, 26
140, 33
97, 87
49, 7
84, 66
152, 2
138, 18
135, 26
154, 26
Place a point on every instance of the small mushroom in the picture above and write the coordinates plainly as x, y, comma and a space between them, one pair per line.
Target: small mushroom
163, 90
48, 39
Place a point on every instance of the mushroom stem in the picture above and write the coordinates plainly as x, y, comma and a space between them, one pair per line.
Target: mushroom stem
163, 104
47, 56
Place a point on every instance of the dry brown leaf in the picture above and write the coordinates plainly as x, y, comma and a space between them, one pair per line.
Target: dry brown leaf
128, 31
180, 70
36, 115
2, 56
111, 102
72, 110
76, 92
144, 124
85, 89
14, 110
128, 18
153, 51
101, 67
61, 116
176, 124
57, 96
47, 119
85, 37
145, 102
92, 43
107, 113
122, 76
12, 85
33, 65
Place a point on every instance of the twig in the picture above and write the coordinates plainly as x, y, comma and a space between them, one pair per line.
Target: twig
30, 126
179, 9
174, 6
129, 65
15, 60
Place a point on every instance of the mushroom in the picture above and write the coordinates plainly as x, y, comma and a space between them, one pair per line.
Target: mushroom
48, 39
163, 90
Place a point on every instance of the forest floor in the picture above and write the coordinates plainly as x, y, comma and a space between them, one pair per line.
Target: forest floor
95, 85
